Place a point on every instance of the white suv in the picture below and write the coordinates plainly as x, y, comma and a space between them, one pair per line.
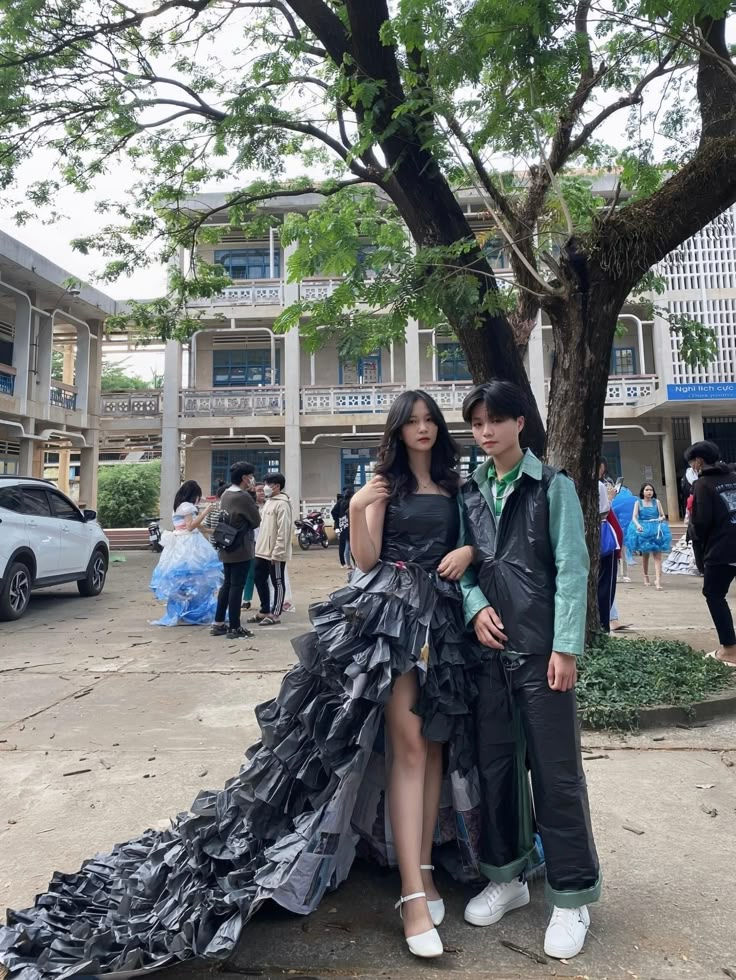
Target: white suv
45, 539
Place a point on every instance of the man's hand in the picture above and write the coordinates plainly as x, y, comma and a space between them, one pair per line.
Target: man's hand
489, 628
562, 672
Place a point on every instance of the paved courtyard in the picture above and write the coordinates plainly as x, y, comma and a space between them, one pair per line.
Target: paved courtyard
109, 725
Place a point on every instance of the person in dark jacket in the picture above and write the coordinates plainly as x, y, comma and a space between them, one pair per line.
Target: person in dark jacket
343, 523
239, 509
526, 596
713, 524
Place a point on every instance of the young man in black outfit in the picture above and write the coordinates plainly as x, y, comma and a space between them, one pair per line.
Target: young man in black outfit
240, 510
525, 596
713, 524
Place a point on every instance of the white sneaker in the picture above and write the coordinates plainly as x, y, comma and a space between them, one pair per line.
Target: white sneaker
626, 579
566, 932
495, 901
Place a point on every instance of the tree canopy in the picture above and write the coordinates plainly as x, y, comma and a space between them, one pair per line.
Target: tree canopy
385, 109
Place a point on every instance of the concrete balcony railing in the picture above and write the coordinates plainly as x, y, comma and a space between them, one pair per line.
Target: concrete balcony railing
639, 390
256, 292
627, 391
131, 404
63, 396
378, 398
349, 399
217, 402
7, 379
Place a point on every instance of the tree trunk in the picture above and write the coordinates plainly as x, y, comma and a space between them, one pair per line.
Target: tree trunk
583, 327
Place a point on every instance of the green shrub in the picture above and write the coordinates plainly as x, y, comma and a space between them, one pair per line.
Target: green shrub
619, 676
128, 494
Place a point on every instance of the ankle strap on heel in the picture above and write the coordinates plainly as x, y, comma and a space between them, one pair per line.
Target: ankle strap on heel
408, 898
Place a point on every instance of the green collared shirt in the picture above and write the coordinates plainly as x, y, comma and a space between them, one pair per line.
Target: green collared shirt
567, 538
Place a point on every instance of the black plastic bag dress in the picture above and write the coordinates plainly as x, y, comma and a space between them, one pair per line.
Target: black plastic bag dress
311, 792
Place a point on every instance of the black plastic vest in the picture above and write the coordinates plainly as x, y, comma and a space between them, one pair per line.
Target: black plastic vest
514, 561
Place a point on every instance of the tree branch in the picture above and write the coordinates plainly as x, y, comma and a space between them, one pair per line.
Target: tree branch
499, 199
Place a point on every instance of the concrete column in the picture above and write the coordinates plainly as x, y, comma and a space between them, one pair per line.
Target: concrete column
67, 376
45, 341
88, 473
411, 355
82, 369
23, 332
170, 451
535, 367
291, 376
292, 430
25, 460
696, 425
662, 344
670, 473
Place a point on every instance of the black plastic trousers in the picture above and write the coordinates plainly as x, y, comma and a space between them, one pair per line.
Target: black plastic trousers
520, 720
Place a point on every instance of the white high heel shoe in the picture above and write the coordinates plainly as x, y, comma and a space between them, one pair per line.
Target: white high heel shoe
426, 944
436, 906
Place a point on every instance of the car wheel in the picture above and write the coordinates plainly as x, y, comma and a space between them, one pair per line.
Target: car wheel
94, 581
16, 591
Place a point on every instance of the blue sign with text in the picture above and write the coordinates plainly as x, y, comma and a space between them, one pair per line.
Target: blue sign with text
695, 392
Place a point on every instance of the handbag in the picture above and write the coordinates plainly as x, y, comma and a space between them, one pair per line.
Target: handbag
609, 544
226, 536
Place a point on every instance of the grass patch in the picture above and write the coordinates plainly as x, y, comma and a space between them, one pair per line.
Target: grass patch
619, 676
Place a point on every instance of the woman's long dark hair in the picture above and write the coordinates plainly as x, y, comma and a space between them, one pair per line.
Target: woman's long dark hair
188, 493
393, 462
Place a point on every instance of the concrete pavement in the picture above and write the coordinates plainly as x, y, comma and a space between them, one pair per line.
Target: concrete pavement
109, 725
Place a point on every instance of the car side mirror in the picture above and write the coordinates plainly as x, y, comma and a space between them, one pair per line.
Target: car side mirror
90, 515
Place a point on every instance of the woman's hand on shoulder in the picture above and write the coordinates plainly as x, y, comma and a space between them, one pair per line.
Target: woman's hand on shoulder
376, 491
454, 565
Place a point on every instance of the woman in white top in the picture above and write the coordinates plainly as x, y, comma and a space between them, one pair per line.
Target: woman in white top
189, 572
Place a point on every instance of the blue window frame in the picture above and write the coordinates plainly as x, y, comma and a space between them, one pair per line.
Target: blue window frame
265, 461
249, 263
245, 368
356, 466
495, 252
366, 370
612, 452
451, 363
623, 360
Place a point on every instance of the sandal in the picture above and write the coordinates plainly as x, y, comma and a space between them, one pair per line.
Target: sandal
713, 655
258, 618
269, 621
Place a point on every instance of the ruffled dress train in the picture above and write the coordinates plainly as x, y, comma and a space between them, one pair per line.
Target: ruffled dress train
310, 794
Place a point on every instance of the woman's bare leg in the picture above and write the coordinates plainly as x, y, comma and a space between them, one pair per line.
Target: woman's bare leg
406, 797
645, 568
658, 569
432, 791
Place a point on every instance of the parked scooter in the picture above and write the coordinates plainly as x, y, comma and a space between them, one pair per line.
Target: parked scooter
154, 534
312, 531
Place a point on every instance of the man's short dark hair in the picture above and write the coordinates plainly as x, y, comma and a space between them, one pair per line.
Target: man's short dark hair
705, 450
278, 478
239, 470
503, 399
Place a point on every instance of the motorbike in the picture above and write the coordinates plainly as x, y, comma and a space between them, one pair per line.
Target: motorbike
312, 531
154, 534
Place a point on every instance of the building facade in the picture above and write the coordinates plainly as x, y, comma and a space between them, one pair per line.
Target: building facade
50, 358
238, 390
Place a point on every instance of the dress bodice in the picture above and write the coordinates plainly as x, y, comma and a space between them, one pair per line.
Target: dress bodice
648, 512
420, 528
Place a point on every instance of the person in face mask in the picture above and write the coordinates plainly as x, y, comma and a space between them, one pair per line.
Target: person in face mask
273, 550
